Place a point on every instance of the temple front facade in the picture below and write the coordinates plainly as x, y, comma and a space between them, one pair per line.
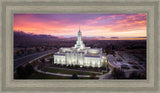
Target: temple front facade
80, 55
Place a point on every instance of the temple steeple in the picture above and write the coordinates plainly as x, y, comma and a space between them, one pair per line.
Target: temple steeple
79, 43
79, 27
79, 35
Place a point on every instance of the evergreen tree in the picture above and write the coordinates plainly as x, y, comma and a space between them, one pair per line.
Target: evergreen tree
74, 76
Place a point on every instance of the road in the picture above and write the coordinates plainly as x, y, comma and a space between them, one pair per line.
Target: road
107, 75
25, 59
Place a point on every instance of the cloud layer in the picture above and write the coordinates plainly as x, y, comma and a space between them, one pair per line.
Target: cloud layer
106, 25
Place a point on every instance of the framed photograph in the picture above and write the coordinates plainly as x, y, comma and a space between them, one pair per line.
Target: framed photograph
105, 46
80, 46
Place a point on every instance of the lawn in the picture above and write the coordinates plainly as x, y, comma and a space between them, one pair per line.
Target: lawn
37, 75
53, 70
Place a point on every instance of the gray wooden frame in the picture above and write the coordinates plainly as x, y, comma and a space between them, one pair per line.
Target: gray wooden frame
9, 7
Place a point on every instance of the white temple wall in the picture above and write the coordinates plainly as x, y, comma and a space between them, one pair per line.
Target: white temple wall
76, 55
91, 61
77, 59
68, 59
81, 59
59, 59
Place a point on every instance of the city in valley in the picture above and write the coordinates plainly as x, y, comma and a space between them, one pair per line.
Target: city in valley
105, 59
76, 54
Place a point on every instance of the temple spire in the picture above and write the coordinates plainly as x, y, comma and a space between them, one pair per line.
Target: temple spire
79, 35
79, 27
79, 42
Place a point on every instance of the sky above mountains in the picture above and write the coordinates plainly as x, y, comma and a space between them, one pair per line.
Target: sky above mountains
91, 25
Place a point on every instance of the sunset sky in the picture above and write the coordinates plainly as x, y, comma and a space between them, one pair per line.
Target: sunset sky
91, 25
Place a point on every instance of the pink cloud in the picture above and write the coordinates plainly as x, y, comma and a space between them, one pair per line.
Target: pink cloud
102, 25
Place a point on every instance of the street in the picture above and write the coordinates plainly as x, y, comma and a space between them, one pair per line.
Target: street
22, 60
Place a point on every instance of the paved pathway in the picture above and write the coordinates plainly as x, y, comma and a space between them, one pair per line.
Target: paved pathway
105, 76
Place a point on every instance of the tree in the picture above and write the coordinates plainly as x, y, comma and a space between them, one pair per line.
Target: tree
118, 73
29, 69
136, 75
52, 60
112, 47
77, 66
24, 72
74, 76
93, 76
42, 59
107, 67
20, 72
22, 51
37, 49
18, 53
29, 51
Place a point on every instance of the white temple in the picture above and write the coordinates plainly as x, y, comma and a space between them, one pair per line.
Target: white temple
79, 55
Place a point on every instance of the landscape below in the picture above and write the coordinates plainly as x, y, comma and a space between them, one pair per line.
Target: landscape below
114, 49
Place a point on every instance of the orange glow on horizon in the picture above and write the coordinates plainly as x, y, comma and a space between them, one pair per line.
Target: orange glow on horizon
106, 25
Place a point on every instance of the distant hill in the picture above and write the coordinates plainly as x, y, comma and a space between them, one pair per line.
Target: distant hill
26, 39
22, 39
21, 34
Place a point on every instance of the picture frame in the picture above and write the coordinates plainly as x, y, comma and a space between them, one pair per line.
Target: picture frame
9, 7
